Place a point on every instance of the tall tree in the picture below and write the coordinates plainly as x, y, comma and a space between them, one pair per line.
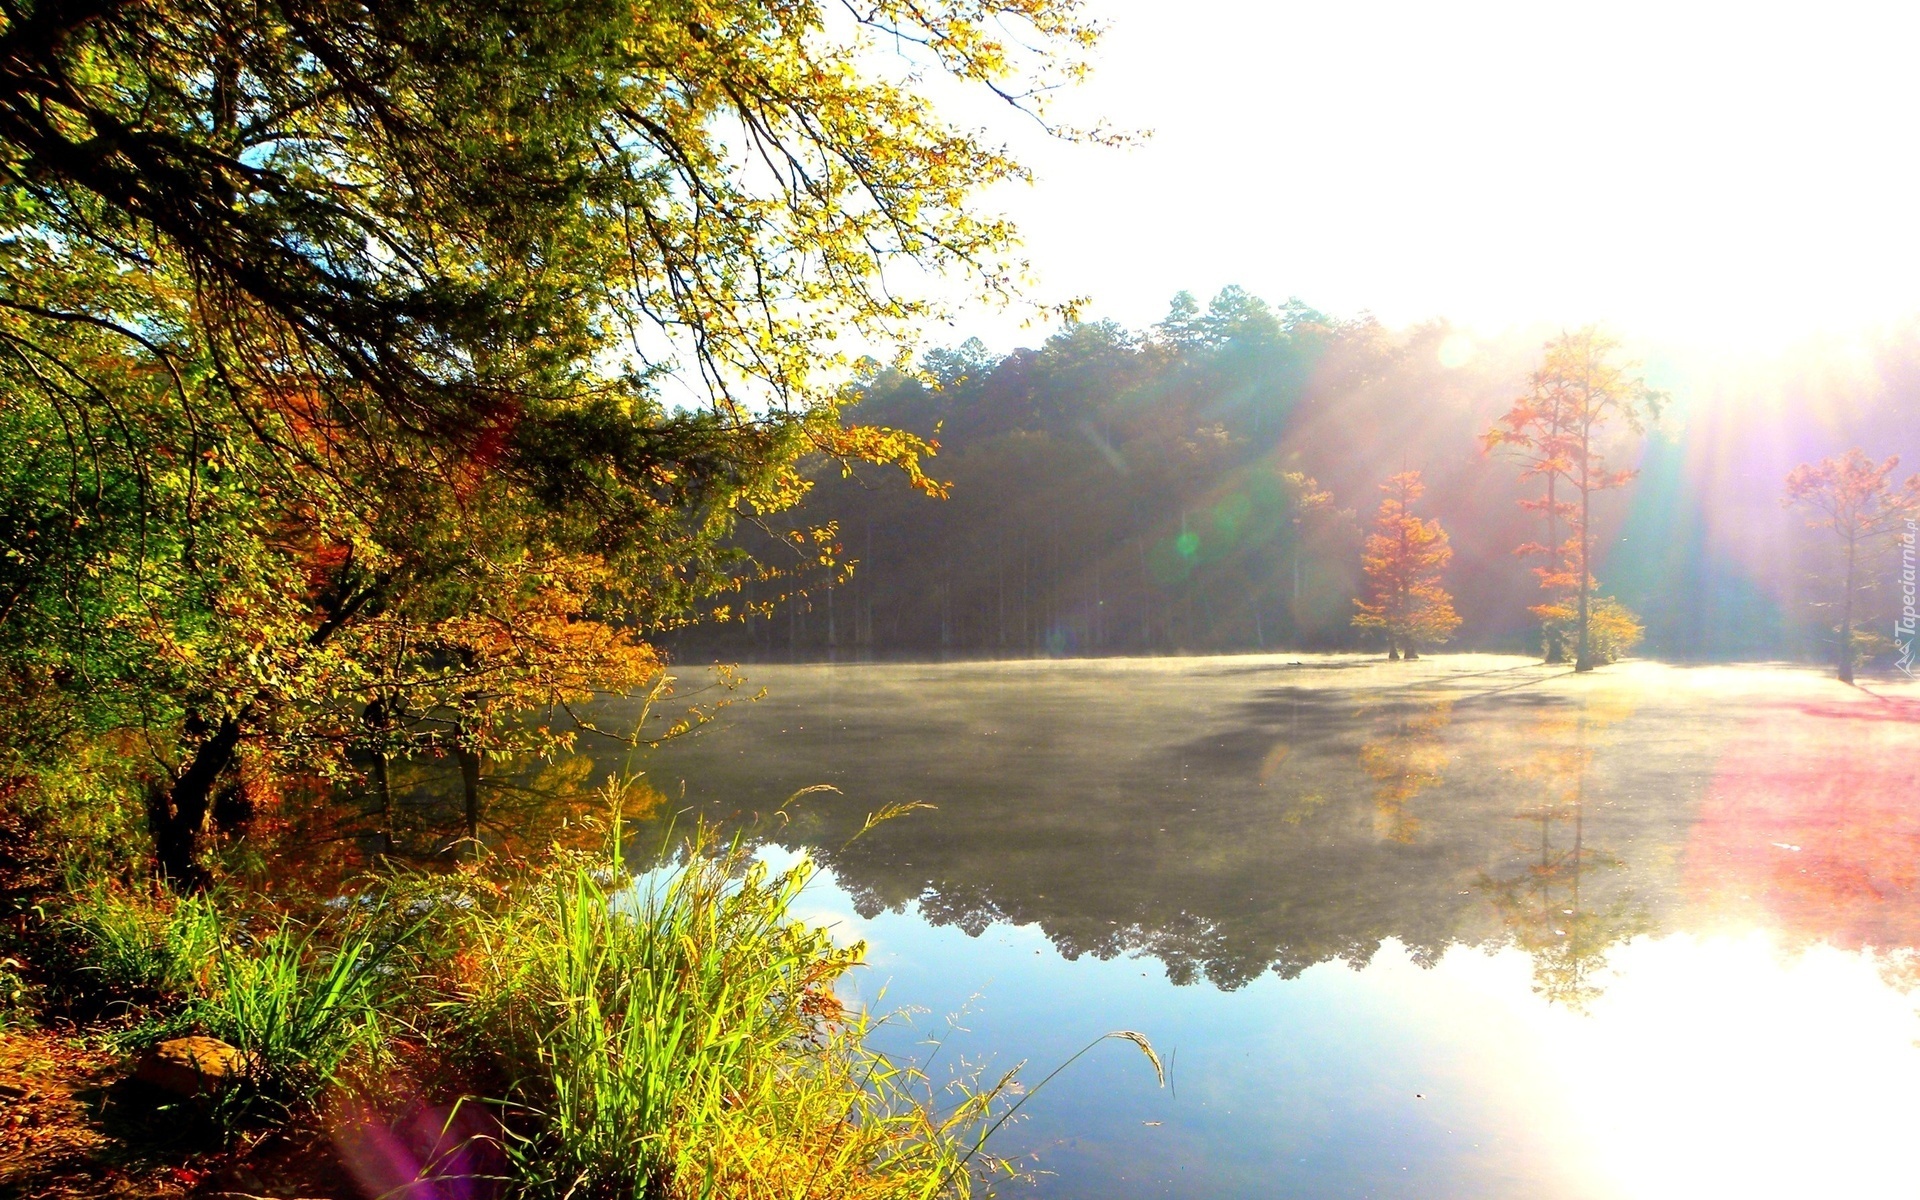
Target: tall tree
1855, 499
1531, 432
334, 340
1580, 389
1404, 557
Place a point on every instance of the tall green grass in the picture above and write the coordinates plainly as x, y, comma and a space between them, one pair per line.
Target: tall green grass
674, 1035
125, 947
302, 1012
678, 1036
304, 1006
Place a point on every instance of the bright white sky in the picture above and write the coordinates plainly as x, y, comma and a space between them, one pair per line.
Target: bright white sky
1713, 174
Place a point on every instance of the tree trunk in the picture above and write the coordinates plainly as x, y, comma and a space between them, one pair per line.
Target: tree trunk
1146, 598
470, 792
1556, 647
1000, 593
1026, 594
232, 809
378, 720
1583, 656
1846, 619
178, 816
1097, 616
383, 788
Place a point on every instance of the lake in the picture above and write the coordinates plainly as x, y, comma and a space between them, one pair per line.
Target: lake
1467, 927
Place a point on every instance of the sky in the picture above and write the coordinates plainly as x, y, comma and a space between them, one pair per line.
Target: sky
1714, 175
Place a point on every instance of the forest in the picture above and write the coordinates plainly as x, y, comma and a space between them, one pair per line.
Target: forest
1204, 485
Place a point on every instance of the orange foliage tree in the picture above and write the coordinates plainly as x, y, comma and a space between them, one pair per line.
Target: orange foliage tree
1403, 560
1853, 497
1531, 433
1556, 431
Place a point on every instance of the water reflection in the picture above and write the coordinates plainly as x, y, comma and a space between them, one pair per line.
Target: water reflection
1235, 817
1462, 928
1404, 755
1229, 822
1812, 823
1566, 931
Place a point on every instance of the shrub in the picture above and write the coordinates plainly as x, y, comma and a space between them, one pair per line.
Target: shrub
1613, 629
16, 1004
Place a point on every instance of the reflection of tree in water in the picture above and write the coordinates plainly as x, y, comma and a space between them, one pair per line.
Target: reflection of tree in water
1304, 823
522, 804
968, 907
1811, 825
1284, 843
422, 815
1403, 755
1189, 946
1547, 902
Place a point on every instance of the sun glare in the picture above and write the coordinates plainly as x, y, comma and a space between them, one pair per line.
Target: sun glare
1703, 173
1457, 350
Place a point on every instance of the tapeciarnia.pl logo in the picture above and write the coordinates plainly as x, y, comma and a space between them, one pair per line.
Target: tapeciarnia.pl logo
1903, 629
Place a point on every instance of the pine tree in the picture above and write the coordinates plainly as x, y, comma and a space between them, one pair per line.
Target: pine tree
1403, 560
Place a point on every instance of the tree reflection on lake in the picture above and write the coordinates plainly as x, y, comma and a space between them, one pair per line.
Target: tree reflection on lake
1383, 915
1403, 756
1540, 900
1235, 816
1229, 819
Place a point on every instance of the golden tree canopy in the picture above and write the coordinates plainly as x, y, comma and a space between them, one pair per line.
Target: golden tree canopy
1403, 559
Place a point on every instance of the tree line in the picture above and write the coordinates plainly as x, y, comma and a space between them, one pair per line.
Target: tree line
1201, 486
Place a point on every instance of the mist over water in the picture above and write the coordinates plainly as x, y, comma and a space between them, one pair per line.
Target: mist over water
1463, 927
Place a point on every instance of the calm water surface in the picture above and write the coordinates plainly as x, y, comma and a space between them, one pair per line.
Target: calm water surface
1461, 928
